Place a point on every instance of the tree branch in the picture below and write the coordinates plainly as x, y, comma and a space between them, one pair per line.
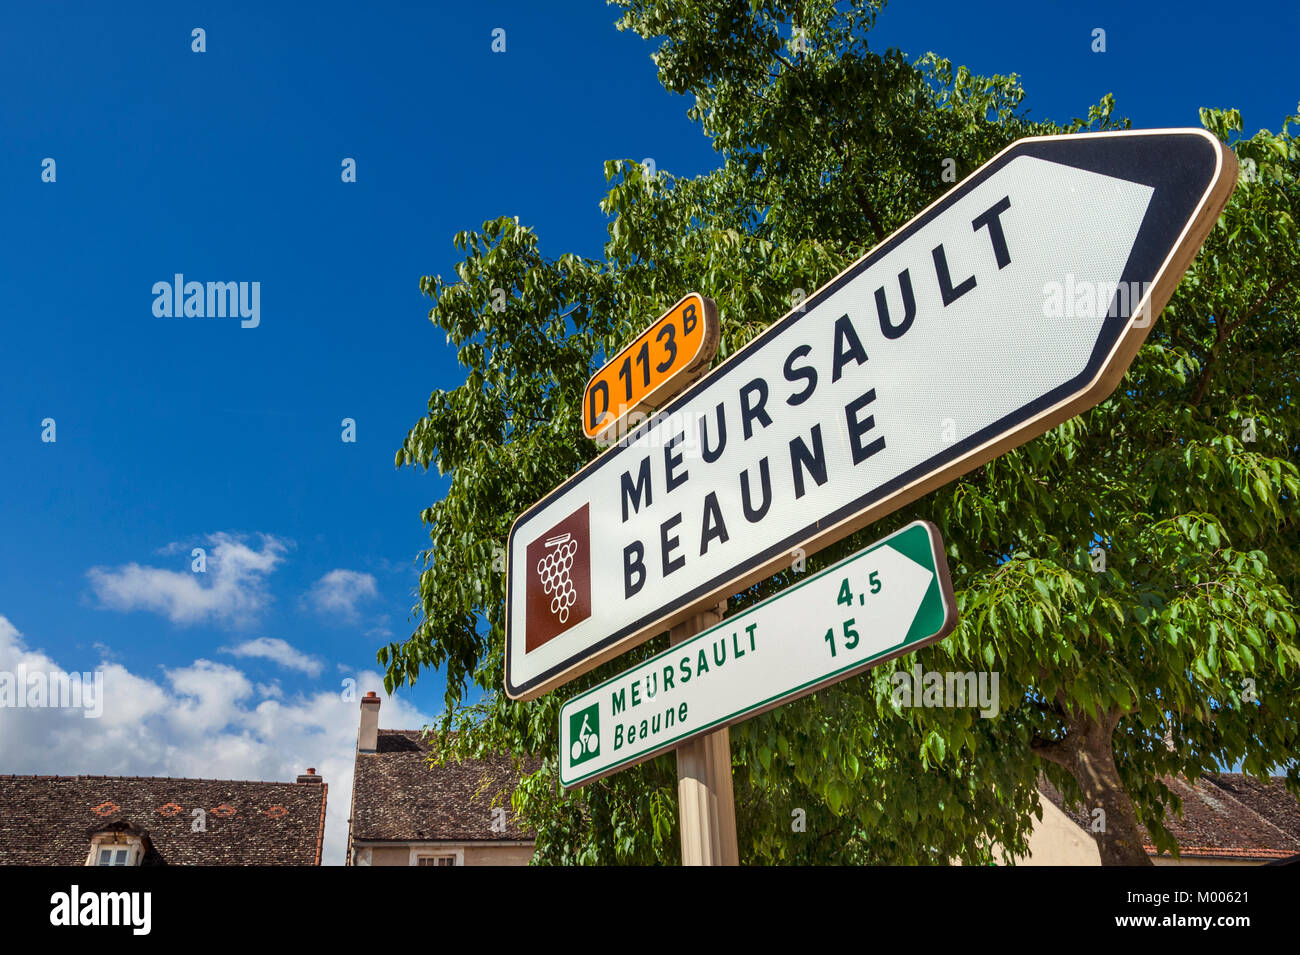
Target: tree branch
1052, 750
1226, 331
863, 200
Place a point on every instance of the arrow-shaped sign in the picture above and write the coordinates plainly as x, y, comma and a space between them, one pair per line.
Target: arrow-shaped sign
1014, 302
886, 600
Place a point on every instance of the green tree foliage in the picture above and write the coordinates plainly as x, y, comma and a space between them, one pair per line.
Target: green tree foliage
1179, 658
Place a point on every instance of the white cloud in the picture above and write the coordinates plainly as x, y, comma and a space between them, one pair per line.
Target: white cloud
231, 590
271, 689
381, 630
277, 651
337, 594
205, 720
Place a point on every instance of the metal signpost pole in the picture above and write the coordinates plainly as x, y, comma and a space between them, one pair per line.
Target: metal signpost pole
706, 798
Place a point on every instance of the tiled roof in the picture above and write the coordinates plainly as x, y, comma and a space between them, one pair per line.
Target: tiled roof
1225, 815
398, 797
47, 820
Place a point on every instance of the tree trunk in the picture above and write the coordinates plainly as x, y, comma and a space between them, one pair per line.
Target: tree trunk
1092, 763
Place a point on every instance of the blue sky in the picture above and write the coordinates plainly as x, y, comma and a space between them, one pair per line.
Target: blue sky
175, 433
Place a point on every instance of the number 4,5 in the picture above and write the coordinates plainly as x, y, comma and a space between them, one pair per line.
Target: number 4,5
850, 636
846, 593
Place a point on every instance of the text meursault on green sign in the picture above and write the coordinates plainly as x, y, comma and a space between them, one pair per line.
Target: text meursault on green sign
886, 600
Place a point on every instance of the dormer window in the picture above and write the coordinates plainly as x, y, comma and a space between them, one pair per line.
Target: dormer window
118, 843
116, 849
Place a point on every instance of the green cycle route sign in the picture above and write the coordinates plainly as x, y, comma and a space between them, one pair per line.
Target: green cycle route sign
886, 600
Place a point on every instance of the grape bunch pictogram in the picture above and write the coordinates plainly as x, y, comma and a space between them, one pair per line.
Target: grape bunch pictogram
554, 570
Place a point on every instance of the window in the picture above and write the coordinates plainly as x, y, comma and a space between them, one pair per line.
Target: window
436, 854
116, 848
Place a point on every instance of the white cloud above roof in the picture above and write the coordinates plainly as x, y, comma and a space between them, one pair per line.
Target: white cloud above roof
230, 589
278, 651
337, 594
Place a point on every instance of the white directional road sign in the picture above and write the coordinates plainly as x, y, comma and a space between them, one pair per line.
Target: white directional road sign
1014, 302
886, 600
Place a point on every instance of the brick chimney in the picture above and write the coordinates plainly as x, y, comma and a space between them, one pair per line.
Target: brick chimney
368, 735
310, 777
